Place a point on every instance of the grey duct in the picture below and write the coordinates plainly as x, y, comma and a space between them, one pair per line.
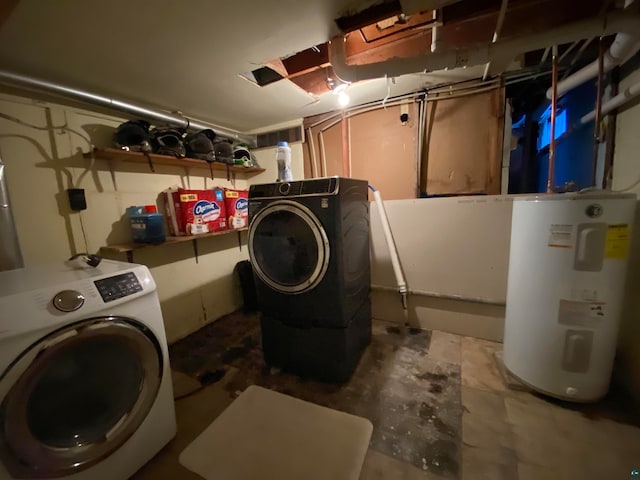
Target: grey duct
39, 85
10, 254
500, 53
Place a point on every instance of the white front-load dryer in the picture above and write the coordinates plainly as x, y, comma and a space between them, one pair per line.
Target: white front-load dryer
85, 382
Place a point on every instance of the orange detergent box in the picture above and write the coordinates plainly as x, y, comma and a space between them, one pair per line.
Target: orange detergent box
237, 205
194, 212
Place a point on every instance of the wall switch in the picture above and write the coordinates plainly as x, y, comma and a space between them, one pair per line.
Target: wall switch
77, 200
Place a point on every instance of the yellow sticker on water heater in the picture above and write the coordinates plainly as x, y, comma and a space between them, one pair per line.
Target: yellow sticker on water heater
617, 244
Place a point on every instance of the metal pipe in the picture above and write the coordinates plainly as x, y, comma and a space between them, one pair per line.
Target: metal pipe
365, 105
596, 128
610, 139
10, 254
554, 106
529, 77
444, 296
568, 51
466, 86
39, 85
323, 155
422, 107
345, 146
615, 102
314, 169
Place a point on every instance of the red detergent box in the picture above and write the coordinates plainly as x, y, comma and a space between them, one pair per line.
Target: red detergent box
237, 204
194, 212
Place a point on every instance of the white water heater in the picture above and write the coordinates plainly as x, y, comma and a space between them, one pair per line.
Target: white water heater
567, 268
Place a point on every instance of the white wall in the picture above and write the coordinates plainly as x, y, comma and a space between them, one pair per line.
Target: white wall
42, 164
451, 246
626, 171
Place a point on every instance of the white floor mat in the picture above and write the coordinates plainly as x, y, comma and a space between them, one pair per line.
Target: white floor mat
270, 436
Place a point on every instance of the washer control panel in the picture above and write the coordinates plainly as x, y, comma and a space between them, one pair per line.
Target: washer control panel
119, 286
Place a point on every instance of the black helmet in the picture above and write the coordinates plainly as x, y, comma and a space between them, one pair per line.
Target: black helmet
200, 145
168, 141
134, 135
224, 152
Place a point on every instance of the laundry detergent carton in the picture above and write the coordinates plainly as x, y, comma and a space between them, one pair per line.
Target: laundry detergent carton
193, 212
237, 204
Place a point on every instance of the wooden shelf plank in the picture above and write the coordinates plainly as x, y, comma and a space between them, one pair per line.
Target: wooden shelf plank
130, 247
139, 157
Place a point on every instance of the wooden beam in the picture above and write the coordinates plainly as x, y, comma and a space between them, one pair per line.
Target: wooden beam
6, 7
306, 59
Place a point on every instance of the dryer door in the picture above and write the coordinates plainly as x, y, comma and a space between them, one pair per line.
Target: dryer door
76, 396
288, 246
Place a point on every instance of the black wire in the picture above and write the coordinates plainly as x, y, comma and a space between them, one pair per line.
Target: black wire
84, 235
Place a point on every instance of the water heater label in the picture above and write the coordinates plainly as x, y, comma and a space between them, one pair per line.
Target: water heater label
561, 236
583, 314
617, 243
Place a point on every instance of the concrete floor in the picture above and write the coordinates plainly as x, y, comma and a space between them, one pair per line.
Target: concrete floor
479, 430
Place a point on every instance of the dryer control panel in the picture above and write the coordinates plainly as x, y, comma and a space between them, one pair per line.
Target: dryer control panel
119, 286
312, 187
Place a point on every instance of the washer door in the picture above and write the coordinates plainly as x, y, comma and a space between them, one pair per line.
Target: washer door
288, 246
76, 396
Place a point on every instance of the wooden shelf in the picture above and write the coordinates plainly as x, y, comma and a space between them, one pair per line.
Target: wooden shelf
129, 248
139, 157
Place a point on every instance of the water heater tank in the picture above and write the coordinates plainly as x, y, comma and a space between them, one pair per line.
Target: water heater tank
567, 269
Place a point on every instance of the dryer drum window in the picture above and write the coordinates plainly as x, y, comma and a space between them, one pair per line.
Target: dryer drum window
288, 246
76, 396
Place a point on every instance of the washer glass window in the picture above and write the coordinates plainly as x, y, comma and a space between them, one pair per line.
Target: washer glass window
77, 395
288, 247
83, 392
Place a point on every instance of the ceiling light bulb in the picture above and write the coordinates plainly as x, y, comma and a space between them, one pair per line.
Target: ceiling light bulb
343, 99
340, 88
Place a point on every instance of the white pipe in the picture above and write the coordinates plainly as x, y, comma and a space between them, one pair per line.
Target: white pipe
624, 46
435, 33
615, 102
391, 245
445, 296
501, 51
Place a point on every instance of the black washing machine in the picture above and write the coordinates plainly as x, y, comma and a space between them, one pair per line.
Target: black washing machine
309, 248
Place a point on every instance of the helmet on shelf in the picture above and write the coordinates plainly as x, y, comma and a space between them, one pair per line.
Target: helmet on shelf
168, 141
242, 155
134, 136
200, 145
223, 152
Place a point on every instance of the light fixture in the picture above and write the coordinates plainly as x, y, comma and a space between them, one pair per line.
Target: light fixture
343, 99
340, 90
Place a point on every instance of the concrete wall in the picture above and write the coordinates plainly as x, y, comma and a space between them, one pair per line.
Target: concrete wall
626, 171
41, 163
451, 246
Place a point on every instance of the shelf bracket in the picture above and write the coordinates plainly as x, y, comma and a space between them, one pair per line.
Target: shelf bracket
153, 170
194, 243
240, 240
